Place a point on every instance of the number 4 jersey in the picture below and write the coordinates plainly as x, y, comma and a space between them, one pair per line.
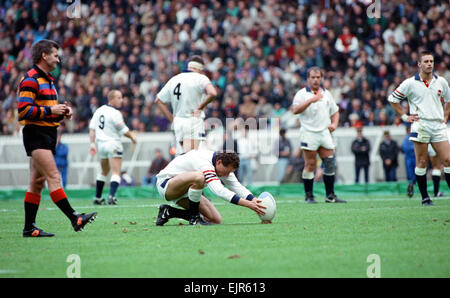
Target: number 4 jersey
185, 92
108, 124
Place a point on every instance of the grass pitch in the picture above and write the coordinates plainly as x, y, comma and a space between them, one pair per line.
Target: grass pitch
322, 240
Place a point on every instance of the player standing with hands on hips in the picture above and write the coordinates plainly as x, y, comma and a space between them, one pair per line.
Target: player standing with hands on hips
105, 131
425, 92
189, 93
319, 117
41, 113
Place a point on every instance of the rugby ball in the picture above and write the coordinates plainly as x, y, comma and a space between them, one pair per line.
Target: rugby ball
268, 201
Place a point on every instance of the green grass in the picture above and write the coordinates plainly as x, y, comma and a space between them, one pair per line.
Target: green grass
322, 240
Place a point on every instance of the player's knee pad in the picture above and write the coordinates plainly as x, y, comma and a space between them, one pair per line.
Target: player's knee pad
307, 175
100, 177
420, 171
115, 178
329, 165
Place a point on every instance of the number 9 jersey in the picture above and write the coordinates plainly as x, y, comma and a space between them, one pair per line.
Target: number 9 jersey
108, 124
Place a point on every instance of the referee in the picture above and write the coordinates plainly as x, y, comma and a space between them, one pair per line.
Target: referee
40, 112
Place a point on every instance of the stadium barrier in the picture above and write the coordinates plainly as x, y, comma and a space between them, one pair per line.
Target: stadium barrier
294, 190
14, 164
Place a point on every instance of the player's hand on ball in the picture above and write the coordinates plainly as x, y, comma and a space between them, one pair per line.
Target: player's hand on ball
259, 208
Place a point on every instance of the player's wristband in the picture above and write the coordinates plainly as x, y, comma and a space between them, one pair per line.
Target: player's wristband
405, 117
250, 197
92, 145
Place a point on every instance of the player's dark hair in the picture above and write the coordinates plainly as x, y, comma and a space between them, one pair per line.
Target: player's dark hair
40, 47
197, 58
426, 52
228, 158
315, 69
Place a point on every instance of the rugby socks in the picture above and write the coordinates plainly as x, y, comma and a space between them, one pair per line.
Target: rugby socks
179, 213
195, 196
308, 180
436, 177
421, 179
115, 180
329, 184
447, 175
60, 199
31, 205
99, 184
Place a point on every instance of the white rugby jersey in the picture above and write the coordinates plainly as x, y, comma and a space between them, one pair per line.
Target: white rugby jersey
204, 161
424, 101
185, 92
316, 117
108, 124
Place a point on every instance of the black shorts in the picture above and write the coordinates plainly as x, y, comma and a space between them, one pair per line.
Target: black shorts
39, 137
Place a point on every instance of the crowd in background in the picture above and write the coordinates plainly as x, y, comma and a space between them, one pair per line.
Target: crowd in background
256, 53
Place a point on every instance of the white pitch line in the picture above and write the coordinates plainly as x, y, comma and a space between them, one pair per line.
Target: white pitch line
155, 205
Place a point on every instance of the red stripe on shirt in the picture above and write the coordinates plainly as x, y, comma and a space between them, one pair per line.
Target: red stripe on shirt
210, 180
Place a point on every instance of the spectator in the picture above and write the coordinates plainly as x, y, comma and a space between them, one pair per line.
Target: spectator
410, 160
284, 151
389, 154
361, 150
346, 43
158, 163
61, 157
268, 42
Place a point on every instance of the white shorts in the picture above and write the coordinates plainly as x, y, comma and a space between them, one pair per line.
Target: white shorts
161, 185
312, 140
192, 128
109, 149
424, 131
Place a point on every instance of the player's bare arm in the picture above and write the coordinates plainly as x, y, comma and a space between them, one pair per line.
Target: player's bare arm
93, 147
129, 134
211, 94
399, 110
334, 122
300, 108
446, 111
164, 110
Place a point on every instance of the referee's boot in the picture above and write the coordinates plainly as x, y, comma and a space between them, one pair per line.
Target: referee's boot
332, 198
82, 220
309, 198
36, 232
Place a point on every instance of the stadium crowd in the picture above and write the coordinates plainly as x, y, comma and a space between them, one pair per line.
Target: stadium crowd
256, 53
